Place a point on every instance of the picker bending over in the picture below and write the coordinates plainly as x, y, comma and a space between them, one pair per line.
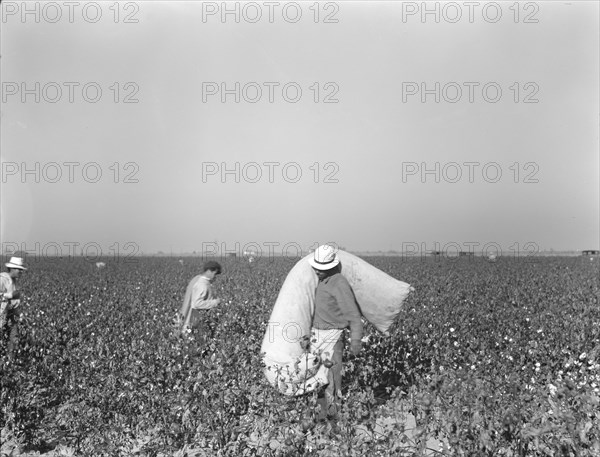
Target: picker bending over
199, 296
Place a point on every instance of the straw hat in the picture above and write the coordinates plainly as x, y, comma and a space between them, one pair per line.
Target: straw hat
324, 258
15, 262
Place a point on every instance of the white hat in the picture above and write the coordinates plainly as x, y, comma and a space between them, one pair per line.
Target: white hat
16, 262
324, 258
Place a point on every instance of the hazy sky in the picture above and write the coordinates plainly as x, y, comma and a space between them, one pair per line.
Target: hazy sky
528, 107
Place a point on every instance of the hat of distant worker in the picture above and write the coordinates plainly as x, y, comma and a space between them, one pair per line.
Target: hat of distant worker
16, 262
324, 258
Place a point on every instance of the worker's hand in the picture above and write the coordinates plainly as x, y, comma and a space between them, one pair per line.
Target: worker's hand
356, 347
305, 343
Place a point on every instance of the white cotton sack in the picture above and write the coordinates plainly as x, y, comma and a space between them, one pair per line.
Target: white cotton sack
379, 296
292, 315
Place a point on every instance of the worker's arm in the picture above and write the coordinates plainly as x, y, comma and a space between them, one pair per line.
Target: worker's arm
200, 295
349, 307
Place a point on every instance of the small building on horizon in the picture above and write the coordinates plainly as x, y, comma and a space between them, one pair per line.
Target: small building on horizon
590, 252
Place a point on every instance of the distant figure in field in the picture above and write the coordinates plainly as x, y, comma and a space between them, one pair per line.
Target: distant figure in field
10, 312
335, 309
199, 296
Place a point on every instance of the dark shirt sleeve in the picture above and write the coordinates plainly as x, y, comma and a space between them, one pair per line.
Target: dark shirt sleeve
346, 300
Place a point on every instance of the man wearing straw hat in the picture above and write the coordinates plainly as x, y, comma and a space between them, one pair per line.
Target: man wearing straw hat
335, 310
10, 296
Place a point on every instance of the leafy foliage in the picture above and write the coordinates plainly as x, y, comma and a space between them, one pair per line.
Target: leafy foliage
489, 358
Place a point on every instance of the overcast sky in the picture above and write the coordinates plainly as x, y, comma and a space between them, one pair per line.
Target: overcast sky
512, 139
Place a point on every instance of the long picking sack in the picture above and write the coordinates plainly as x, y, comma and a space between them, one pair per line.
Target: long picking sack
379, 297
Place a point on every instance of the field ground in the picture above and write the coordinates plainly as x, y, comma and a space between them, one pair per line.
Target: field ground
488, 358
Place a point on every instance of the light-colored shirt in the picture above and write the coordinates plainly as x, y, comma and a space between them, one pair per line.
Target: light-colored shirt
202, 294
8, 304
7, 288
198, 295
336, 307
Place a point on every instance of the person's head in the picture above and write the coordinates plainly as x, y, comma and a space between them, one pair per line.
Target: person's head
325, 262
211, 269
15, 267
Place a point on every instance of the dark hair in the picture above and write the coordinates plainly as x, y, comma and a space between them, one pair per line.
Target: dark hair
213, 266
334, 270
